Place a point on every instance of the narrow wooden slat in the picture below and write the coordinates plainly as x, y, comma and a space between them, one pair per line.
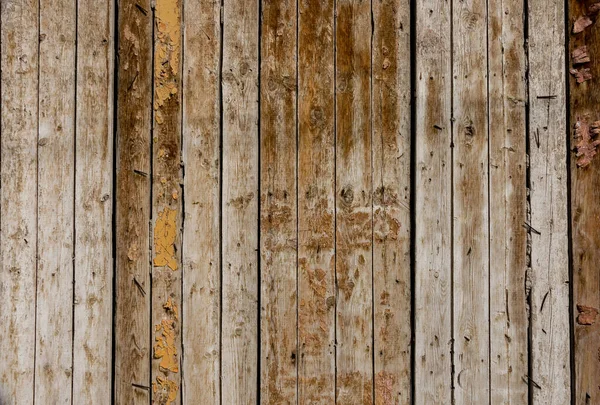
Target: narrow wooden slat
278, 242
433, 204
201, 238
239, 342
354, 210
19, 37
391, 201
166, 205
316, 202
470, 203
508, 202
132, 278
92, 339
585, 211
56, 136
549, 277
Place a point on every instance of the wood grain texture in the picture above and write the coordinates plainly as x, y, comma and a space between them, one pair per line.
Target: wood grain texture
19, 36
56, 168
354, 204
470, 203
433, 283
391, 117
278, 204
92, 339
507, 97
132, 272
202, 204
585, 194
549, 276
239, 343
316, 202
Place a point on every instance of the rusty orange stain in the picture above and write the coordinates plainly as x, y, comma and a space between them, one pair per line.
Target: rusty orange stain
164, 348
168, 45
167, 387
165, 232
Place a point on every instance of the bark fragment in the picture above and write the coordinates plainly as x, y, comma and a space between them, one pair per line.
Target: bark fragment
580, 55
581, 75
581, 24
586, 147
587, 315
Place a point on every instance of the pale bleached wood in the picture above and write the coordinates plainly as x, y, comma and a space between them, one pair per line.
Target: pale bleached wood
585, 211
56, 170
470, 199
508, 202
433, 338
316, 203
19, 36
239, 333
201, 233
549, 273
391, 201
92, 339
278, 204
132, 272
166, 205
354, 209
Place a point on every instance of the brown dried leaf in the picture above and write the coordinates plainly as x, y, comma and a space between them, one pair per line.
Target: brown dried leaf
582, 74
580, 55
581, 23
586, 147
587, 315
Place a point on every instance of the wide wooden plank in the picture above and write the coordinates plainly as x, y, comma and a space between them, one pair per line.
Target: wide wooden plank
239, 332
354, 209
549, 274
507, 95
316, 203
166, 205
56, 168
19, 38
585, 194
92, 339
278, 204
391, 201
470, 203
433, 227
201, 233
132, 277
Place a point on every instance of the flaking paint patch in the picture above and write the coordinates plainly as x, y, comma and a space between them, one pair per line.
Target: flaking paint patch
165, 390
168, 45
164, 348
165, 233
172, 308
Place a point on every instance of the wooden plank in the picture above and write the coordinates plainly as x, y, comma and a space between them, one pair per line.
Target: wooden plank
56, 170
585, 194
316, 202
354, 209
132, 278
166, 205
278, 204
549, 275
92, 339
19, 38
433, 227
239, 343
470, 203
508, 202
391, 201
201, 234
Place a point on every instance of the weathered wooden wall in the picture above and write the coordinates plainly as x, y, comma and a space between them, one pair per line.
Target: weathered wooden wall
299, 202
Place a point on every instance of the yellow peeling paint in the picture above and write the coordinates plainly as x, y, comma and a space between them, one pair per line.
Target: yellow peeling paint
170, 306
168, 45
165, 390
164, 348
165, 232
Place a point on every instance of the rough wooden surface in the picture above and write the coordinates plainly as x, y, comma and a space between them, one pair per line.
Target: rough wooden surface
132, 228
391, 117
278, 204
316, 203
549, 272
433, 193
92, 339
202, 202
